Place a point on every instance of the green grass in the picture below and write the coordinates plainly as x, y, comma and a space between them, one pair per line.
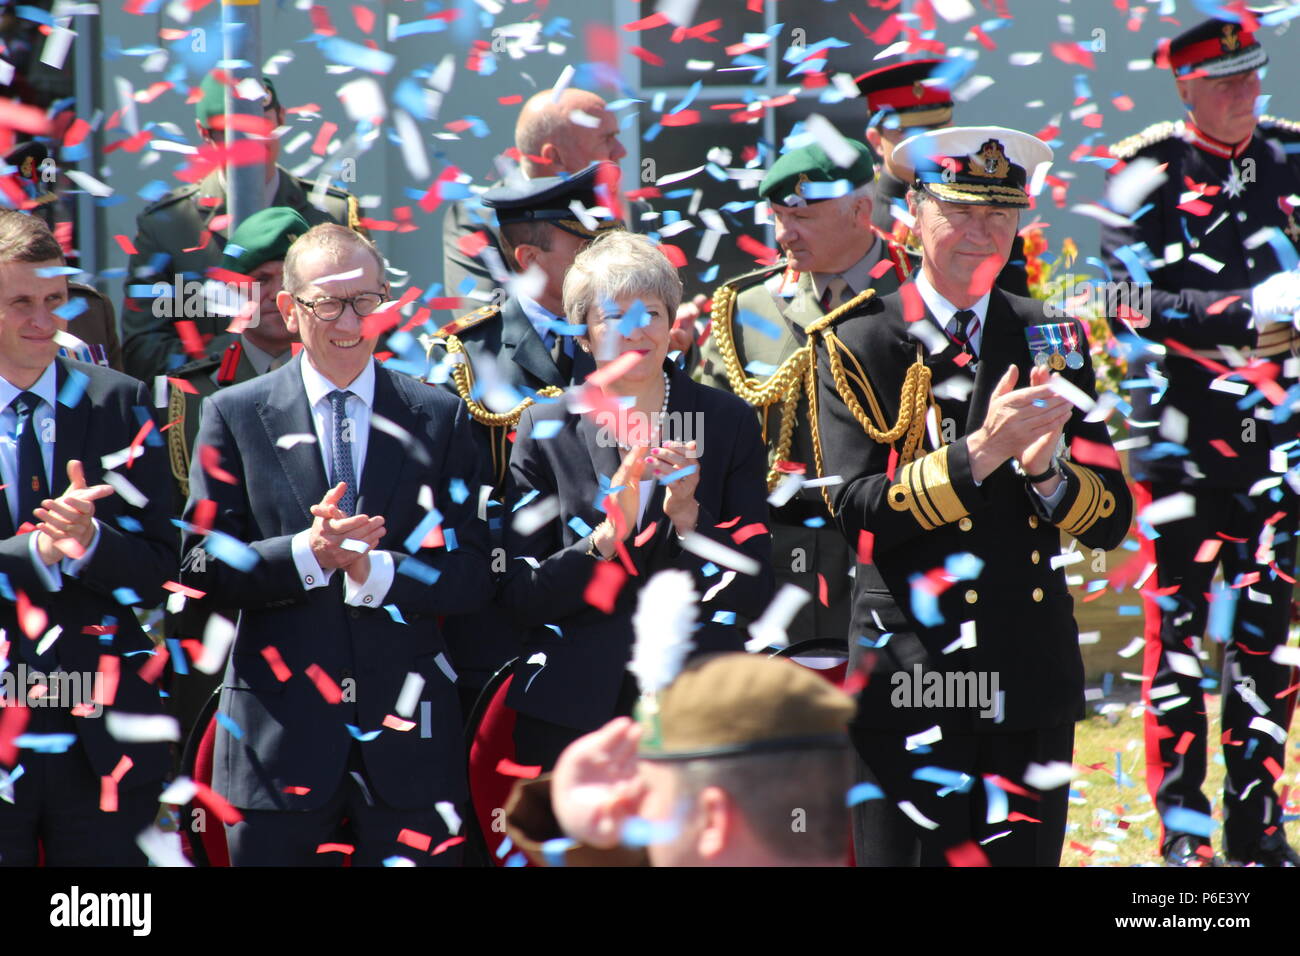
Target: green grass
1114, 818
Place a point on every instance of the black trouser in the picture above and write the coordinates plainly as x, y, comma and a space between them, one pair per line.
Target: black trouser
293, 837
56, 807
951, 826
1252, 685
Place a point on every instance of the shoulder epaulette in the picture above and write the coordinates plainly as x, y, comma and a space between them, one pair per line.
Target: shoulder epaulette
173, 197
1157, 132
1272, 123
752, 278
205, 364
469, 320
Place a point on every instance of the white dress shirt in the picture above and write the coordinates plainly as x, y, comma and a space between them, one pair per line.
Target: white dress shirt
43, 420
943, 312
371, 592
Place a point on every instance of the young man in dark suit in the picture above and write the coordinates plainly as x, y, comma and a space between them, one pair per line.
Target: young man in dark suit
954, 500
72, 566
338, 701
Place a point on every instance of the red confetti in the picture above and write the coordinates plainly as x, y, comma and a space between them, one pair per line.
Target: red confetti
177, 588
126, 245
447, 844
13, 721
866, 547
913, 306
297, 791
183, 385
31, 618
415, 839
327, 130
748, 531
645, 534
602, 590
324, 684
821, 590
966, 854
205, 512
1272, 766
107, 795
646, 56
473, 243
110, 667
153, 668
752, 247
1184, 742
508, 768
673, 254
344, 848
276, 663
1074, 54
364, 18
1220, 304
1223, 448
138, 441
1087, 452
210, 458
684, 118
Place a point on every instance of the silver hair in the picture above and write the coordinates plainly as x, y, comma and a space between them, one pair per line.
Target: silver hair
619, 265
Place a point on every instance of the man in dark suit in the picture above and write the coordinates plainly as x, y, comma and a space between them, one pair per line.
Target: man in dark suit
72, 566
961, 622
1215, 299
338, 699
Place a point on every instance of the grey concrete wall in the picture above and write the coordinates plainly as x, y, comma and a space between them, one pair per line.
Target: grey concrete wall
1026, 96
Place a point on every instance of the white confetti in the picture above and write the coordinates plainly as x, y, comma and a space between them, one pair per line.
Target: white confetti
141, 728
1048, 776
217, 638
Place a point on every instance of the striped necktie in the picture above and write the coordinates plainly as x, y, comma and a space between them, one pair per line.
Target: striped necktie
342, 469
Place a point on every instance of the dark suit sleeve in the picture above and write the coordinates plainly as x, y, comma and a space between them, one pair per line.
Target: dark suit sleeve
273, 578
458, 223
554, 589
929, 492
140, 560
744, 497
1097, 508
1176, 311
464, 583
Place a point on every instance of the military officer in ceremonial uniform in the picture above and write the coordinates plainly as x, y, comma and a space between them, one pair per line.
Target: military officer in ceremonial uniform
902, 100
504, 356
185, 232
1213, 245
255, 255
759, 351
960, 468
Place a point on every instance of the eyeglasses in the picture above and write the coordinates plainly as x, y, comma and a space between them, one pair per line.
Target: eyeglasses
328, 308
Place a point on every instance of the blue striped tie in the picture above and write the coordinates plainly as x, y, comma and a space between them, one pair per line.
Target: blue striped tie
342, 469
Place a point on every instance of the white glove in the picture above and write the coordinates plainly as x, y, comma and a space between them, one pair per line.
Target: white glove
1278, 296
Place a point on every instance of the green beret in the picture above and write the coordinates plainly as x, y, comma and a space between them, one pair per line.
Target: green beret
212, 102
787, 182
263, 237
730, 704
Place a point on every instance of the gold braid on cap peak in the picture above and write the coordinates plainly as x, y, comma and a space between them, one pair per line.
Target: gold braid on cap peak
795, 377
462, 375
913, 402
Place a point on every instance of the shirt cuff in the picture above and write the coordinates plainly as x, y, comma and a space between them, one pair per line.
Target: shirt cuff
372, 591
48, 573
1051, 501
73, 567
310, 574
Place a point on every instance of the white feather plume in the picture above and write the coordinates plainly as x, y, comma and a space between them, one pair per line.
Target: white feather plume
664, 620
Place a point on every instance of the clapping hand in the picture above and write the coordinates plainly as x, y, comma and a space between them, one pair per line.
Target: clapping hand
67, 523
332, 527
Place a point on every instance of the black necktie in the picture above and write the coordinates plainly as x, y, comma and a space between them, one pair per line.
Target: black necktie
563, 360
967, 325
342, 469
33, 488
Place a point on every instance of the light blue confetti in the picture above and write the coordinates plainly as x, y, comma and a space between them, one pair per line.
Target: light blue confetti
861, 793
230, 726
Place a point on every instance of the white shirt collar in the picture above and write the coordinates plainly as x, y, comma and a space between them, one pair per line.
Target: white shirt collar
941, 308
46, 388
539, 317
318, 386
258, 357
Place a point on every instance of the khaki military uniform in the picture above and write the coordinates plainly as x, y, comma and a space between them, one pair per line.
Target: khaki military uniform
179, 227
758, 349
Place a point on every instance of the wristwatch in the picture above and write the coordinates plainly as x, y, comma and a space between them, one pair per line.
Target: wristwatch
593, 551
1053, 469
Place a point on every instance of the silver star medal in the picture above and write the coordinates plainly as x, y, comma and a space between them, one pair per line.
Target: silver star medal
1234, 185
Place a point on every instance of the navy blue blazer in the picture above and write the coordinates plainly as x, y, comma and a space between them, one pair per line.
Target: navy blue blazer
284, 734
136, 551
579, 684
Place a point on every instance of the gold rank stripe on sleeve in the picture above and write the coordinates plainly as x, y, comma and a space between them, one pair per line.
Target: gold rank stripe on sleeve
1092, 502
924, 488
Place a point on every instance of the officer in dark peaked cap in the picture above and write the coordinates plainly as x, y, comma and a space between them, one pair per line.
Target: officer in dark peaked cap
184, 233
958, 484
902, 100
1213, 243
254, 263
502, 357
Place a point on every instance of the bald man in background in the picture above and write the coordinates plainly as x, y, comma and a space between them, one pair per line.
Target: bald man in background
554, 137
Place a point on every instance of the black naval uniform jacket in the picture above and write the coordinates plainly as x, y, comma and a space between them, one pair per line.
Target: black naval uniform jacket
1193, 306
927, 511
